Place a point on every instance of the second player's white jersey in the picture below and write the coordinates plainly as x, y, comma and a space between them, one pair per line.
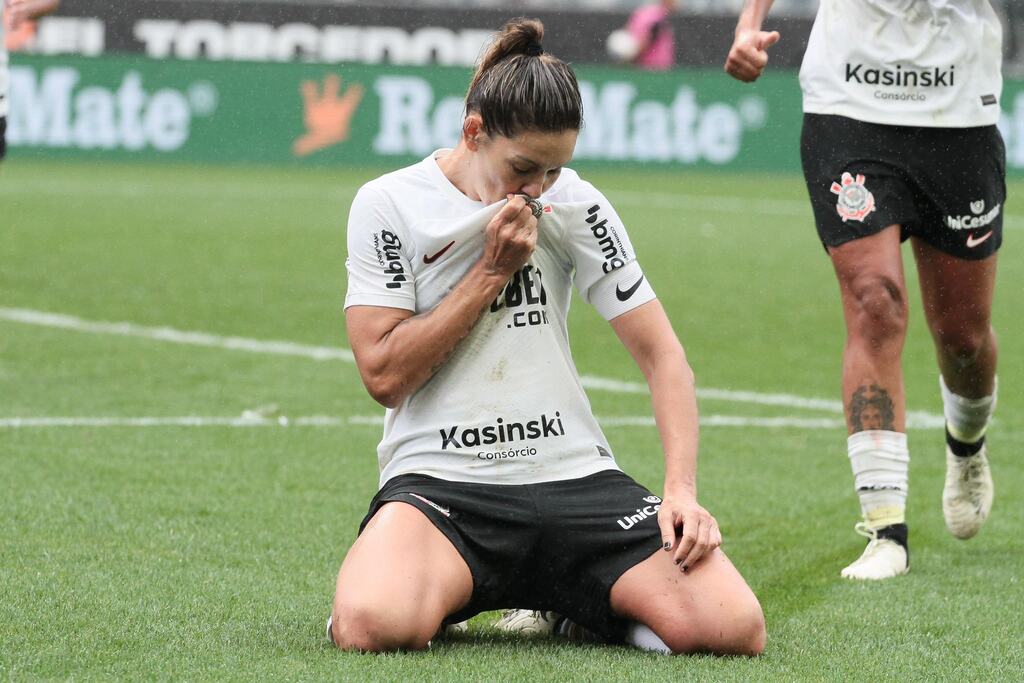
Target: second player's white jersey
933, 63
507, 407
3, 63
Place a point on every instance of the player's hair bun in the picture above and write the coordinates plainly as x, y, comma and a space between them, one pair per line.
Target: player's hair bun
518, 86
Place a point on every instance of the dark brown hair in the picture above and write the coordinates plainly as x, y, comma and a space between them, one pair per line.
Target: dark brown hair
518, 87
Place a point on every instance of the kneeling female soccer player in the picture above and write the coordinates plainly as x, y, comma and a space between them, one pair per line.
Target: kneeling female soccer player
498, 488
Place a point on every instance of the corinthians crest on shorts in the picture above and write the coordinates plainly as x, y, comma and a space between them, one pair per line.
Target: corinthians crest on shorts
855, 201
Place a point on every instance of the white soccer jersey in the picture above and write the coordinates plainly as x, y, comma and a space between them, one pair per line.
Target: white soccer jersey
507, 407
929, 63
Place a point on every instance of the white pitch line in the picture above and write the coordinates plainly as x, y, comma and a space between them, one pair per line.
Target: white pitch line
142, 190
126, 189
169, 334
707, 203
712, 203
187, 421
788, 400
327, 353
713, 420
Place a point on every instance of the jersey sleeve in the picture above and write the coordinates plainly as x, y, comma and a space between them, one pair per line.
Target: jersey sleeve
607, 274
378, 264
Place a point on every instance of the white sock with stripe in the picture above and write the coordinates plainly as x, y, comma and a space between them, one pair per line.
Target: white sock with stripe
880, 462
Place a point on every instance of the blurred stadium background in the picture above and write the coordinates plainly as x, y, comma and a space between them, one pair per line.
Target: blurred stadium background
185, 447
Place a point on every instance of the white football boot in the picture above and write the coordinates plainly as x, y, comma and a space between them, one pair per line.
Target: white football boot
884, 558
967, 496
453, 629
528, 622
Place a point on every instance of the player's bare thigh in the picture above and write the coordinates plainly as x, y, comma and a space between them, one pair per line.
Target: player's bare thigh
874, 259
399, 580
709, 608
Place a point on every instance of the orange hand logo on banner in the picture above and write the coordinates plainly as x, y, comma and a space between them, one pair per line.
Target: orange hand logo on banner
328, 116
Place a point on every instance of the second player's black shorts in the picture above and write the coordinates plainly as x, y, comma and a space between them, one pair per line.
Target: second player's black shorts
3, 136
946, 186
552, 546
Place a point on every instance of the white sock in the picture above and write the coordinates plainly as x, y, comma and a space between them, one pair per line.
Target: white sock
880, 462
967, 418
639, 636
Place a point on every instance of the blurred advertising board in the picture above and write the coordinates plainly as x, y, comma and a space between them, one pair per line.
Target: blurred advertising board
301, 114
230, 112
327, 32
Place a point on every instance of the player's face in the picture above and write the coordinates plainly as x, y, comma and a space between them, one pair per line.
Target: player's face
528, 163
871, 418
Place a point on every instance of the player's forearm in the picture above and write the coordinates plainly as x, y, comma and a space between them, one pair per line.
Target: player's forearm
753, 14
671, 382
409, 355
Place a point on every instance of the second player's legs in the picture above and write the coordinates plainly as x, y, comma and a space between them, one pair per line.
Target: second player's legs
957, 297
874, 298
398, 582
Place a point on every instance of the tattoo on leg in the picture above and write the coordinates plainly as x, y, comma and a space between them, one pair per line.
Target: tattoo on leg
871, 408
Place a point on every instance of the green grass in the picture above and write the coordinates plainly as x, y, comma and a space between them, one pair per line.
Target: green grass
210, 552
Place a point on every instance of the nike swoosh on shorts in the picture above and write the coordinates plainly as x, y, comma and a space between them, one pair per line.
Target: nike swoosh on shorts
971, 242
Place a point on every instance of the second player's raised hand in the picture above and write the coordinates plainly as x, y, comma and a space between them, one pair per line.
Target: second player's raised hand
749, 54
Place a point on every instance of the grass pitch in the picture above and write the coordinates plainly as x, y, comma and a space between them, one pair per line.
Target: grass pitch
138, 544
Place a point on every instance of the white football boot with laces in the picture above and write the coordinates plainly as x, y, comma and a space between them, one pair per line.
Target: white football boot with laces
544, 623
967, 496
884, 558
528, 622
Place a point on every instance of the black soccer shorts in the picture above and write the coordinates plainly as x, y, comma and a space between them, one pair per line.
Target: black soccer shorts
553, 546
946, 186
3, 137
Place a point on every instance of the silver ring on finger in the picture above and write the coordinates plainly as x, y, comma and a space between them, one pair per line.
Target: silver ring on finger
536, 207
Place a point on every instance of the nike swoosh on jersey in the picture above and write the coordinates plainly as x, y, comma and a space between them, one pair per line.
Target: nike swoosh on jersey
971, 242
431, 259
624, 295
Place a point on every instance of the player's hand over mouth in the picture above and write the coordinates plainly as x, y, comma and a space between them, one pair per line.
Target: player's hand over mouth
510, 237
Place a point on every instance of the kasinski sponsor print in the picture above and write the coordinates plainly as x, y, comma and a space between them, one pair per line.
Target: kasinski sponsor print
544, 427
900, 77
510, 453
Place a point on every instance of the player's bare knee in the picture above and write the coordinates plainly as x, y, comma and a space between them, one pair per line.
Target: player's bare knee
682, 637
962, 344
741, 630
362, 628
881, 307
751, 632
740, 633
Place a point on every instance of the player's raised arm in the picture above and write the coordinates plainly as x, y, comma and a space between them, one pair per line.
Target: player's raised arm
749, 53
396, 351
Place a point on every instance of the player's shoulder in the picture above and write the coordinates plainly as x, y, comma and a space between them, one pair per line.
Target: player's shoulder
571, 188
403, 184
